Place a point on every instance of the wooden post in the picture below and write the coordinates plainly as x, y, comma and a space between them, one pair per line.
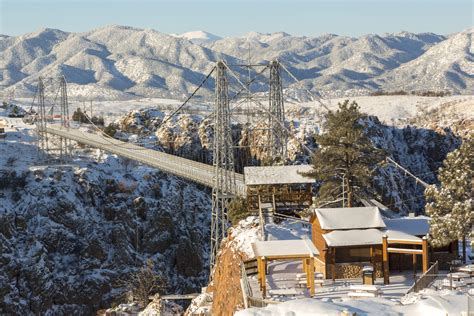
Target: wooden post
464, 249
264, 277
386, 276
424, 248
273, 201
372, 261
259, 271
311, 275
414, 265
333, 263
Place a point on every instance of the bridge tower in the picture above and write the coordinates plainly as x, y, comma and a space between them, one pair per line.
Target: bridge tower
49, 145
41, 121
277, 136
223, 162
65, 144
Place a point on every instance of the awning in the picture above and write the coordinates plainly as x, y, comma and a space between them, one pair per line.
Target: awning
418, 226
281, 249
277, 175
364, 237
350, 218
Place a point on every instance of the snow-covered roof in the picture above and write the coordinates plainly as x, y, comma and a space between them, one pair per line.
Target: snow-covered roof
353, 237
349, 218
281, 248
400, 235
361, 237
418, 226
277, 175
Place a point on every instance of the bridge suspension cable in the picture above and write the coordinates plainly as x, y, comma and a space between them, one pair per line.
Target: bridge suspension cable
275, 118
189, 98
418, 180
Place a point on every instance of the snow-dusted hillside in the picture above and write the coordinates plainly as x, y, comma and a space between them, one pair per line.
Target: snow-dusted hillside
70, 236
448, 65
114, 61
118, 62
418, 148
198, 37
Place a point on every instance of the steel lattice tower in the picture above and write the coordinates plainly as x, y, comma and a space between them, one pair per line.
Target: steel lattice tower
41, 121
65, 144
223, 161
48, 145
277, 136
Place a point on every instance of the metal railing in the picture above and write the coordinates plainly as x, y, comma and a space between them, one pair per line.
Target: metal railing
425, 280
182, 167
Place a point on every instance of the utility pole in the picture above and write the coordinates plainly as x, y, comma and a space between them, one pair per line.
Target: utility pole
223, 161
343, 190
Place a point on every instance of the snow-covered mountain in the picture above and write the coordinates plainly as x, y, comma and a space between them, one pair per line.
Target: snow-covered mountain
116, 62
448, 65
198, 37
110, 62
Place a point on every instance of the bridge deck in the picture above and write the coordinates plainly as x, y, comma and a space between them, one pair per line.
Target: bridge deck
181, 167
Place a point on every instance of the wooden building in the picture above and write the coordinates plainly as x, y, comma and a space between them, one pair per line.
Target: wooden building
350, 238
284, 189
273, 250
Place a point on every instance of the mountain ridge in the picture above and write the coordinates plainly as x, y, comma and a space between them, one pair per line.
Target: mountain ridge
125, 62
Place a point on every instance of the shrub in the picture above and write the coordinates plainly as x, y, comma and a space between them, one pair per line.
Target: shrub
144, 283
111, 129
237, 210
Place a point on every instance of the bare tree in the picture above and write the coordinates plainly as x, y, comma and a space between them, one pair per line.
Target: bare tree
144, 283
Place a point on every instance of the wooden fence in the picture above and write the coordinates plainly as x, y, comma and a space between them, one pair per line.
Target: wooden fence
248, 268
426, 279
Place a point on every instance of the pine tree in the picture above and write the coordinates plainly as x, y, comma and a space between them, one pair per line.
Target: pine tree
77, 115
346, 157
450, 205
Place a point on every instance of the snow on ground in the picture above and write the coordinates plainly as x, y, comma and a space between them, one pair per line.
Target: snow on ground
386, 108
79, 183
329, 301
399, 107
112, 110
427, 302
247, 232
244, 234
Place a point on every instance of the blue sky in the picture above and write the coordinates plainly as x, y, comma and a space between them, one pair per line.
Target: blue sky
229, 18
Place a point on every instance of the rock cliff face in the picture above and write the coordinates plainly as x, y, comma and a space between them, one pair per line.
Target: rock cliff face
420, 148
70, 237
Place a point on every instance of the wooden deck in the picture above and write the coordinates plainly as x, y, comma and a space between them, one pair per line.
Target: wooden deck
281, 278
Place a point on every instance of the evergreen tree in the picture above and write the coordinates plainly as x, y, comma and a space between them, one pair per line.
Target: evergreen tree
346, 155
111, 129
450, 205
77, 115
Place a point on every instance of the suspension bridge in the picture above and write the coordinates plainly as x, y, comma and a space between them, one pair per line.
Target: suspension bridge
184, 168
226, 184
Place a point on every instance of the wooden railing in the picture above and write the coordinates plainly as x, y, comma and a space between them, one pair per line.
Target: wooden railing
249, 299
426, 279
